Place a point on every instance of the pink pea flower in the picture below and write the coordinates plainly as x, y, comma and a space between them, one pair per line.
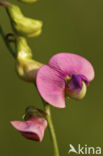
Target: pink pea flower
32, 129
66, 74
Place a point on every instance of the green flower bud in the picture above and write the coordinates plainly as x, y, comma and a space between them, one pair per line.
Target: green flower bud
23, 50
26, 66
22, 25
27, 1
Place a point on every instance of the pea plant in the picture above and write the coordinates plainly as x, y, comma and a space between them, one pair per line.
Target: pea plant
67, 75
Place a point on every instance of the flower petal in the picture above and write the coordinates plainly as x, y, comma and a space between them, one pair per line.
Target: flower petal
75, 83
68, 64
51, 86
33, 129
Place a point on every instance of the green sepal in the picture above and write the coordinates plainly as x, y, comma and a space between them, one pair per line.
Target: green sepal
31, 110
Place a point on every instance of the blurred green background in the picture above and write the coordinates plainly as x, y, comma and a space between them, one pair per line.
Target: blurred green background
69, 26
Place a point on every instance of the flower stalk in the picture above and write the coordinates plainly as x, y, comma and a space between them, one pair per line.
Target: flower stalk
2, 33
52, 131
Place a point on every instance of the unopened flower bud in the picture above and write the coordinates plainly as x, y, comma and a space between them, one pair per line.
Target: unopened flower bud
23, 25
26, 66
23, 49
27, 1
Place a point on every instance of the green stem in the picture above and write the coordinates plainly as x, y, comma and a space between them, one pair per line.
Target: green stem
7, 43
51, 128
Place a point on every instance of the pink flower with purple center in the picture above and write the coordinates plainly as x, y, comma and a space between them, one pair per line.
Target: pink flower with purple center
66, 74
32, 129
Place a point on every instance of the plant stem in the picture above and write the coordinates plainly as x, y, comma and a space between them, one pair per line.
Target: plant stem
7, 43
51, 128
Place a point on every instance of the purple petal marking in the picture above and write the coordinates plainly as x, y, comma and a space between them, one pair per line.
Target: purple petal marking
32, 129
85, 79
68, 64
51, 86
76, 82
